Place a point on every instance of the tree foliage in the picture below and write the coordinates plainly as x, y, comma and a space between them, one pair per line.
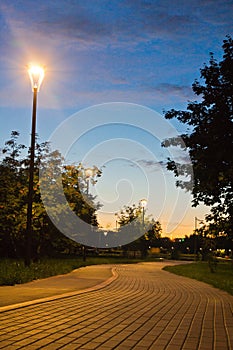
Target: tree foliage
129, 214
132, 216
14, 177
210, 142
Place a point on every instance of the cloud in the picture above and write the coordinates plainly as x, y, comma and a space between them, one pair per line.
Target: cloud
179, 18
96, 22
171, 89
102, 51
149, 164
78, 26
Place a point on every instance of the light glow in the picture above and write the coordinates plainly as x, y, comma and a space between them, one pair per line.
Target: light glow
88, 172
36, 74
143, 202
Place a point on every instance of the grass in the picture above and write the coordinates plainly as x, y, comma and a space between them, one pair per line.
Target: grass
222, 278
14, 272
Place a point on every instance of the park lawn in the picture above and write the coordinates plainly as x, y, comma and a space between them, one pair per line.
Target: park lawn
222, 278
14, 272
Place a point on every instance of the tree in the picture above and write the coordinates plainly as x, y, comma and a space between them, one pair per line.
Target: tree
154, 233
74, 183
129, 214
11, 197
46, 238
210, 142
132, 217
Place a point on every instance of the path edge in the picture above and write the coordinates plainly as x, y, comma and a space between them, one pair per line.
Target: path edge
64, 295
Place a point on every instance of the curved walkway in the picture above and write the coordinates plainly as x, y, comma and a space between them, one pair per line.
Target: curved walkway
61, 285
143, 308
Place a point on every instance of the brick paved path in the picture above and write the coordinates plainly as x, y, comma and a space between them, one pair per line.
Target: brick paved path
144, 308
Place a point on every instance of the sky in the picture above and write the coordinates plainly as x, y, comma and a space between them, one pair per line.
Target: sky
112, 68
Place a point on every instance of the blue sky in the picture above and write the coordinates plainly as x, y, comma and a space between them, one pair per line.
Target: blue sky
132, 51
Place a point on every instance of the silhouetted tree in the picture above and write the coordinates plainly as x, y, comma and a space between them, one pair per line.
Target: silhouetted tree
210, 141
46, 240
132, 215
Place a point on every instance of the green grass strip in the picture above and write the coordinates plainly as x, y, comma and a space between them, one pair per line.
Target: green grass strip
222, 278
14, 271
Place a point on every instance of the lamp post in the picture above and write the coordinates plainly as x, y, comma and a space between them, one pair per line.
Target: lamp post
195, 238
36, 74
143, 203
88, 173
116, 221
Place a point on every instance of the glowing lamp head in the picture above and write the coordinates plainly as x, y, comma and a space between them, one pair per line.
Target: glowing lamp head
143, 202
88, 172
36, 74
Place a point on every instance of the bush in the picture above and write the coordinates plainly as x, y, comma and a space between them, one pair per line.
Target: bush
212, 262
175, 254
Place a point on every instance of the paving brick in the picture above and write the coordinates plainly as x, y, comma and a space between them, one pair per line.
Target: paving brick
145, 308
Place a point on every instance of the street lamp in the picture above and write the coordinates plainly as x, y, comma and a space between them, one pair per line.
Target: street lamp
116, 215
88, 173
143, 203
195, 233
36, 74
